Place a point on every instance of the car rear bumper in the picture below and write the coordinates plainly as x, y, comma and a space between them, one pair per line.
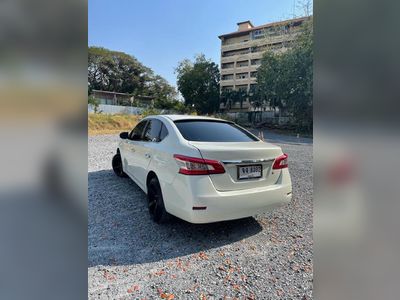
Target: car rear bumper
187, 192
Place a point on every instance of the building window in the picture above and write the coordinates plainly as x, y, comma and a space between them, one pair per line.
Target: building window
242, 75
253, 74
255, 62
235, 52
259, 49
228, 65
258, 34
242, 88
243, 63
227, 88
227, 77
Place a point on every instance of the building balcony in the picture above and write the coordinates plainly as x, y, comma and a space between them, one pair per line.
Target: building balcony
248, 69
236, 106
227, 71
227, 82
259, 42
236, 82
234, 58
242, 81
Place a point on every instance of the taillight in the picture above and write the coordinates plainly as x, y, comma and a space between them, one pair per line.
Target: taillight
280, 162
198, 166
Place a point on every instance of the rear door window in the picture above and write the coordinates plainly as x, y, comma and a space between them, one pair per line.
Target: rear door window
213, 131
164, 132
152, 131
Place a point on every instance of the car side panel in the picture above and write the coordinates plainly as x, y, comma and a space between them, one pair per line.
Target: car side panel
163, 164
141, 161
127, 151
124, 149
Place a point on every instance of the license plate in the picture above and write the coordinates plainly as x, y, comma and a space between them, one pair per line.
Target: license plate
248, 172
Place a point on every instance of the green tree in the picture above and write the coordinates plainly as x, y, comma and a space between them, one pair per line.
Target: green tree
198, 82
119, 72
115, 71
255, 96
270, 78
164, 94
299, 62
285, 79
94, 103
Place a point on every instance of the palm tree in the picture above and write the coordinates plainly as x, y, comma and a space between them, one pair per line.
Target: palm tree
242, 95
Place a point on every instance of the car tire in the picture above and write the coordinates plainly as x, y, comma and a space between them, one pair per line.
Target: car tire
117, 166
156, 202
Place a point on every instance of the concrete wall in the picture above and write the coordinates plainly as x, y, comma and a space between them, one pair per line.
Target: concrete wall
116, 109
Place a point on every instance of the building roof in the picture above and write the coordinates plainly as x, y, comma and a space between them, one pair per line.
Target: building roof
248, 21
108, 92
262, 26
123, 94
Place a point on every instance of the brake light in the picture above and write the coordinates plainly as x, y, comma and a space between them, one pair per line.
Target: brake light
281, 162
198, 166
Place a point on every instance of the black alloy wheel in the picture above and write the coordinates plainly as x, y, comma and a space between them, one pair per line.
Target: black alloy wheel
155, 202
117, 165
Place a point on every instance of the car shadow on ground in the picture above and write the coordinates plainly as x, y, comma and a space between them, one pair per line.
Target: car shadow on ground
120, 231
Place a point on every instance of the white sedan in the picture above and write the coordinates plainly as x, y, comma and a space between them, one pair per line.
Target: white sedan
202, 169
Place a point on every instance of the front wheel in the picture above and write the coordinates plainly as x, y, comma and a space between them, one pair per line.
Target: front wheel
117, 166
156, 203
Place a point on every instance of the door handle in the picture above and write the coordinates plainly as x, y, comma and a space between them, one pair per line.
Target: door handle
147, 155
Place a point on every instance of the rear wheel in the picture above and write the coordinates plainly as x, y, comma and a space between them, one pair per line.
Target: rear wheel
156, 202
117, 165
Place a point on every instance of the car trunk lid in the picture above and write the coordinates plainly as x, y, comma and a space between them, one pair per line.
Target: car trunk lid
234, 155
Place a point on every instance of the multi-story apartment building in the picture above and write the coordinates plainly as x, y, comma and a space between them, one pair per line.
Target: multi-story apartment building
242, 51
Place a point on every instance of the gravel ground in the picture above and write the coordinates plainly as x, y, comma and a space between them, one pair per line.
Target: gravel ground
268, 256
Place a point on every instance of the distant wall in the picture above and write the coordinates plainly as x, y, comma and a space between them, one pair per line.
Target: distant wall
267, 117
116, 109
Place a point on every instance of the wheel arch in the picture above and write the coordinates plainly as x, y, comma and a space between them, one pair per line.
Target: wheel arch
150, 176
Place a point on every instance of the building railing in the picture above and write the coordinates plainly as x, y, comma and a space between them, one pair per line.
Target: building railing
254, 55
258, 42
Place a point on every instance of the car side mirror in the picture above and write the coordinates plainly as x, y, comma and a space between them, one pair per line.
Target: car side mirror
124, 135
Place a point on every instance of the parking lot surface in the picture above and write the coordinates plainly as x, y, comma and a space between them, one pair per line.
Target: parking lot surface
268, 256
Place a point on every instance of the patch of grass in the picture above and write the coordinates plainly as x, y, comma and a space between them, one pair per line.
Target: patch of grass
110, 124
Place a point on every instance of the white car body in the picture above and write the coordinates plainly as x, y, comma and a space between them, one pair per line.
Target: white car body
210, 197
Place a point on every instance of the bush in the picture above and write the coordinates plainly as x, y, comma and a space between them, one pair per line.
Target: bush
94, 103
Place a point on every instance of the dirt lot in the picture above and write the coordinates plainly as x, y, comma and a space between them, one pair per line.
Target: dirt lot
265, 257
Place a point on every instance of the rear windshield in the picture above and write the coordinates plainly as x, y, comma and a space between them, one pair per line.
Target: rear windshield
212, 131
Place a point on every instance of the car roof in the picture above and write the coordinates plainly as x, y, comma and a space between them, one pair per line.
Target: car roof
189, 117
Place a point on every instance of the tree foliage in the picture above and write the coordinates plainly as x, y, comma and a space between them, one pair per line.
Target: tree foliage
230, 97
119, 72
198, 82
285, 79
94, 103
